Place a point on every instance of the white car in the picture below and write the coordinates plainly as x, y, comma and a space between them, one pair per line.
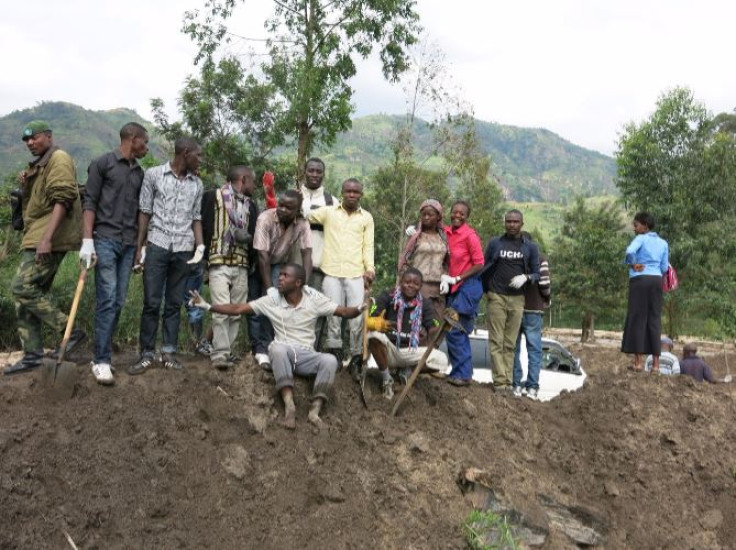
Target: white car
561, 370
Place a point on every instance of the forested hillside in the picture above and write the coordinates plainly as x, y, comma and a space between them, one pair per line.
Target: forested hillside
84, 134
530, 164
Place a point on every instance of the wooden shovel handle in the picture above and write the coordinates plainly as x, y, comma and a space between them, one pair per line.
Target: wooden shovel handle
73, 313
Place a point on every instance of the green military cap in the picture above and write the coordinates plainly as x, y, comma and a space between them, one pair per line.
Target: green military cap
35, 127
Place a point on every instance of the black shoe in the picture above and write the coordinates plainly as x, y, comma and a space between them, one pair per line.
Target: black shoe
30, 361
75, 338
355, 367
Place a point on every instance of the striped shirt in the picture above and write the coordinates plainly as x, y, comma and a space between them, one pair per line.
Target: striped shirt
173, 205
220, 253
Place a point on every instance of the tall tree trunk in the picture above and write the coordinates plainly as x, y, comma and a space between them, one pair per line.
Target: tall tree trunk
588, 332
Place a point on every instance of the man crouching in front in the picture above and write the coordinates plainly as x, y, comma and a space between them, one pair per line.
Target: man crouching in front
293, 310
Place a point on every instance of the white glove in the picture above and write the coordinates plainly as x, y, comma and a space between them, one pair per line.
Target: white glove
518, 281
446, 282
198, 255
87, 252
410, 231
139, 266
197, 301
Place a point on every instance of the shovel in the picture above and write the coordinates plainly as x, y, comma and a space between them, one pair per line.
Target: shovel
366, 355
450, 319
59, 376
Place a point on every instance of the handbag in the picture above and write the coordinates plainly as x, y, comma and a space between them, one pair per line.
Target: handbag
669, 280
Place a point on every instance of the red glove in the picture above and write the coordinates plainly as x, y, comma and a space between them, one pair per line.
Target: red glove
268, 179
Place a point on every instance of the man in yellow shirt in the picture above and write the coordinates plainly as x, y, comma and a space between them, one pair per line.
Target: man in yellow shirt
347, 263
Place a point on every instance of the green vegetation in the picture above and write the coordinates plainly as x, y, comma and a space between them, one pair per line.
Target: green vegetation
488, 531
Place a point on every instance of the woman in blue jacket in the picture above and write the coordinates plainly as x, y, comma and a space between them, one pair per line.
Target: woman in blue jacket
648, 259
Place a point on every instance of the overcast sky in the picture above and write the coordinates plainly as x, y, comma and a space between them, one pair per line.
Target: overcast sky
579, 68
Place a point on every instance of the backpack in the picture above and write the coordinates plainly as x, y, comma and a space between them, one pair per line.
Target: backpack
669, 280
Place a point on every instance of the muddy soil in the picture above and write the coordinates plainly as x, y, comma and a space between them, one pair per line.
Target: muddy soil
198, 460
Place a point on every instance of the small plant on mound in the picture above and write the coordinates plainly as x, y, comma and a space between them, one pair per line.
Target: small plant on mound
485, 530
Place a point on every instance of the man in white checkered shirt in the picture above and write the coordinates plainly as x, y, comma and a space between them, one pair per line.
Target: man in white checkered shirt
169, 230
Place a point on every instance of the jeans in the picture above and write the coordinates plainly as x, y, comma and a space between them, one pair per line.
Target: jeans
112, 275
257, 340
195, 315
264, 335
167, 270
458, 345
531, 328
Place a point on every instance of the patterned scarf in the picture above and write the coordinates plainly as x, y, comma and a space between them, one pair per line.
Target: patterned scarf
238, 217
415, 317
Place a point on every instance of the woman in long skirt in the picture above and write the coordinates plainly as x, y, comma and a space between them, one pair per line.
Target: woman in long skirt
648, 259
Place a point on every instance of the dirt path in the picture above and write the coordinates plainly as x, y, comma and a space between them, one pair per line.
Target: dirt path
198, 460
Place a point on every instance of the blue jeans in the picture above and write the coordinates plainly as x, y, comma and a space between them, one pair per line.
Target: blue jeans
167, 270
264, 335
112, 275
458, 344
531, 328
195, 315
255, 291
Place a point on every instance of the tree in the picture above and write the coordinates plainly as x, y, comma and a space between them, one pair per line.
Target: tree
588, 262
229, 113
313, 46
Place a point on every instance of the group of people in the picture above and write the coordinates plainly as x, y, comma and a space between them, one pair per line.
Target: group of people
295, 269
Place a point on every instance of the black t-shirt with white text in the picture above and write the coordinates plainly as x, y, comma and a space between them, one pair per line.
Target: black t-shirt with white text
510, 264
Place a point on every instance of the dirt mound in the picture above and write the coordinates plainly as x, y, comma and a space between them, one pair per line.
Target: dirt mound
198, 460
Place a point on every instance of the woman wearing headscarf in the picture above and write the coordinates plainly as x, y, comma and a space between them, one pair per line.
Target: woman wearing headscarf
648, 259
427, 251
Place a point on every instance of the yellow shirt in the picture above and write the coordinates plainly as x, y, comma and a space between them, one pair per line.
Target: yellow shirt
348, 240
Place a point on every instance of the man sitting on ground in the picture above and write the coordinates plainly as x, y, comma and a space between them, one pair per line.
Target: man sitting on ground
400, 324
694, 366
668, 362
293, 310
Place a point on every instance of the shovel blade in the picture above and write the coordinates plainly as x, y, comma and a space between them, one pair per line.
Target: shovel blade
59, 379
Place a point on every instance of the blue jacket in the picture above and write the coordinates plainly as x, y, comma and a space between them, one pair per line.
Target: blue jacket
493, 250
650, 250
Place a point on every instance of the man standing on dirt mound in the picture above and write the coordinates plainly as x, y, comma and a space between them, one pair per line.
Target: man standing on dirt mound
293, 310
52, 216
233, 227
169, 229
347, 263
109, 235
511, 261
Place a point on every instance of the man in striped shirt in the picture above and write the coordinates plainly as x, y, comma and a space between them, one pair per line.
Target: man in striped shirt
232, 236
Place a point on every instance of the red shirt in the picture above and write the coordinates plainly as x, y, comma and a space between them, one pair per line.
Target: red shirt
465, 250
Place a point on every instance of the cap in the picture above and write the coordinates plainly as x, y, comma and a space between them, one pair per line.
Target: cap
35, 127
667, 341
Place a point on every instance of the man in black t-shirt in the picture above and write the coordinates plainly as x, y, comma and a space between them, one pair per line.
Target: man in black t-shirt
511, 261
400, 325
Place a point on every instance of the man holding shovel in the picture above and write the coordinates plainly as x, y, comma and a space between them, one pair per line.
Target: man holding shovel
109, 234
293, 310
51, 216
400, 324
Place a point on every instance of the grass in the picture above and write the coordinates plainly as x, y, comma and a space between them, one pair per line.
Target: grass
485, 530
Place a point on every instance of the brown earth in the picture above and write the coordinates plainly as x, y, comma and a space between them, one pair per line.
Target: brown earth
198, 460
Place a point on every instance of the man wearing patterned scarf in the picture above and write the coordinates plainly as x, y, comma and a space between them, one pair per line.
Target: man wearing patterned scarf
400, 324
228, 258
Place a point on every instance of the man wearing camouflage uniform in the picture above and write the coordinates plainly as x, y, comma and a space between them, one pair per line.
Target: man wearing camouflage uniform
52, 216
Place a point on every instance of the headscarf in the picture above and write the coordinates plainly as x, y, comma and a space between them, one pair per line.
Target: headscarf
411, 245
415, 317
